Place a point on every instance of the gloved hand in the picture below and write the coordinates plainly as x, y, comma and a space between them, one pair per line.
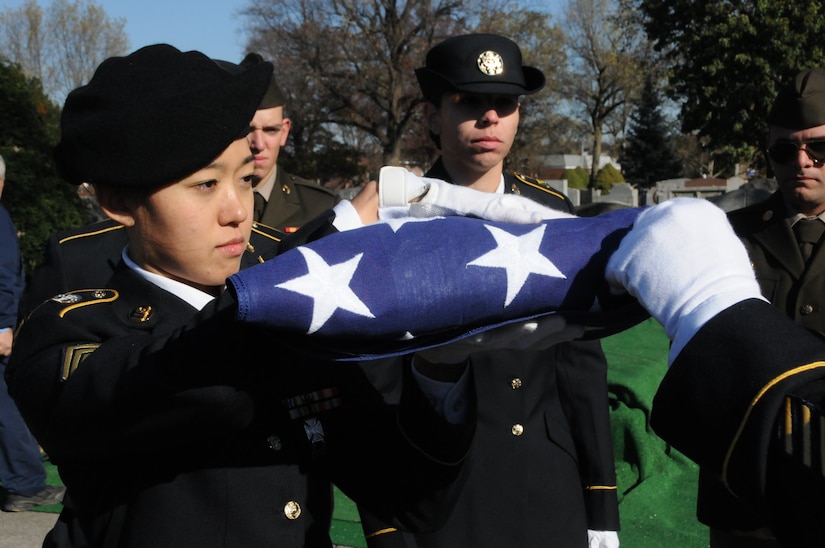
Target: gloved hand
403, 194
684, 264
602, 539
536, 334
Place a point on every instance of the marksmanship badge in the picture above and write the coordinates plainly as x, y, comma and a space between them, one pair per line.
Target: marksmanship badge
490, 63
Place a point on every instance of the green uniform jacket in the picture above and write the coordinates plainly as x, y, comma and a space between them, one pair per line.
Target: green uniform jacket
294, 201
773, 250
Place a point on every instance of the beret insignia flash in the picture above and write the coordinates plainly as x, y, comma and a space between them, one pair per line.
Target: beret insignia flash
490, 63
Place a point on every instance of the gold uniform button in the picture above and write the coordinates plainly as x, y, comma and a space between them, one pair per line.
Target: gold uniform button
517, 429
292, 510
516, 383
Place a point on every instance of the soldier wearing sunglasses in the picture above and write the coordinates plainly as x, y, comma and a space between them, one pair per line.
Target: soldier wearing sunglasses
783, 236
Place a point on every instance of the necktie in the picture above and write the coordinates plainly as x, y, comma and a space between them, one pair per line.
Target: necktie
260, 205
808, 232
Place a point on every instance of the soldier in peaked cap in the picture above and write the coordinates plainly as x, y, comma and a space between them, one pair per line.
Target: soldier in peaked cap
473, 84
151, 373
783, 237
282, 200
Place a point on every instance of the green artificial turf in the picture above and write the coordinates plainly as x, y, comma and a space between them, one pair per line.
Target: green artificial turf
657, 485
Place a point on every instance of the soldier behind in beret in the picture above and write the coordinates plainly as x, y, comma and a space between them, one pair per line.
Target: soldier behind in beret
170, 422
783, 237
473, 85
282, 200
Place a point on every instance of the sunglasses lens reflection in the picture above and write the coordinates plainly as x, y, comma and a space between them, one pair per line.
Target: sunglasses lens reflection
816, 150
783, 153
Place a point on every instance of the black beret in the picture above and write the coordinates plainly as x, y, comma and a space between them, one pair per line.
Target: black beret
801, 103
477, 63
155, 116
274, 97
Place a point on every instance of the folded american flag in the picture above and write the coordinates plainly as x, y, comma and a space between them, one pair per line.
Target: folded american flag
407, 284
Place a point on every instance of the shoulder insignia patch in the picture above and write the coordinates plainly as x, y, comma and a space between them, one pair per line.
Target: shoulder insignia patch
538, 184
84, 297
73, 356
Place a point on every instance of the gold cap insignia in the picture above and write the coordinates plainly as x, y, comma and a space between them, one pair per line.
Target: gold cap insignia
491, 63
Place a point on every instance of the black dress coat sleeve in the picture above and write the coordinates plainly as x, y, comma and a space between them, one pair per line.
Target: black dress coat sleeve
229, 436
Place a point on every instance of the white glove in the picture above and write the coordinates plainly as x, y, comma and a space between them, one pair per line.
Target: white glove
536, 334
398, 189
684, 264
602, 539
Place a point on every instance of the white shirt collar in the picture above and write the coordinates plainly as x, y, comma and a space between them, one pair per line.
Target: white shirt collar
195, 297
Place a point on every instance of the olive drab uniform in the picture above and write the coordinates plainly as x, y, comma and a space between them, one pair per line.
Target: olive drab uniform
795, 289
294, 201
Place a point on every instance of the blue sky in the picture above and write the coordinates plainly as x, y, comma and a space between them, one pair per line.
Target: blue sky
213, 27
210, 26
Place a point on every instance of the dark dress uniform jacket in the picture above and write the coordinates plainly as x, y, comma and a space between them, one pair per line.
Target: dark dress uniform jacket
798, 293
294, 201
542, 471
172, 427
85, 257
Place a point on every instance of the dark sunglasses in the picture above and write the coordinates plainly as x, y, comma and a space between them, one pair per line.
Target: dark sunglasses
785, 152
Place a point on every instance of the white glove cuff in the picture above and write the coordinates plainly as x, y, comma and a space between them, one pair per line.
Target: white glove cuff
684, 264
397, 187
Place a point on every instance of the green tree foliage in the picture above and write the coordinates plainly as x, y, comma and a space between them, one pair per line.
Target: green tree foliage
333, 159
727, 59
39, 201
607, 177
61, 45
577, 177
649, 153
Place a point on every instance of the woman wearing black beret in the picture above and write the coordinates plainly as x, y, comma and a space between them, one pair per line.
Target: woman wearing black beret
171, 423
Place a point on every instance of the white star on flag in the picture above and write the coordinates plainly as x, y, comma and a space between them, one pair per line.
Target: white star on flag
328, 286
519, 256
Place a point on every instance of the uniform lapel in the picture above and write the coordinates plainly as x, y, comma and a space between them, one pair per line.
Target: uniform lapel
280, 206
776, 237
